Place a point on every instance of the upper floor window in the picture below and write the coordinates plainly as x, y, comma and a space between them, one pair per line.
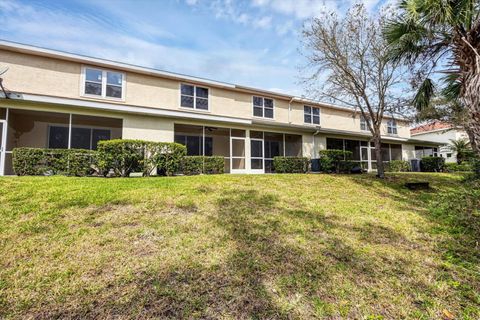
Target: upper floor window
263, 107
103, 83
363, 124
311, 115
193, 97
392, 127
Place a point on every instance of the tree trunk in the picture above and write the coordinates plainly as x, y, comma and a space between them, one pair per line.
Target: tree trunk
378, 154
471, 98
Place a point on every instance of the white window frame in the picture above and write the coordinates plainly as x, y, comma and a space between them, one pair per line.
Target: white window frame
311, 115
263, 107
194, 97
363, 123
83, 79
392, 127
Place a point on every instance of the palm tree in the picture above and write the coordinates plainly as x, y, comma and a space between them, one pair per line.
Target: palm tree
462, 148
441, 38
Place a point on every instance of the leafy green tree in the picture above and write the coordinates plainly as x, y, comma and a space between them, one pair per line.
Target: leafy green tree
441, 38
462, 148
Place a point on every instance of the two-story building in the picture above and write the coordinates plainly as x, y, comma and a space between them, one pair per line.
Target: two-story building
62, 100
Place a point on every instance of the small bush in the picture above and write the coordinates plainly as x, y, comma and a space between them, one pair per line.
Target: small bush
455, 167
432, 164
397, 166
346, 166
37, 161
290, 164
166, 156
126, 156
192, 165
336, 161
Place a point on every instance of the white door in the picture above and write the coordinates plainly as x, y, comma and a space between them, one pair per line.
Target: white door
256, 156
3, 142
237, 152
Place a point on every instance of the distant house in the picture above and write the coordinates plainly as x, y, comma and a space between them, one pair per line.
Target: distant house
63, 100
442, 133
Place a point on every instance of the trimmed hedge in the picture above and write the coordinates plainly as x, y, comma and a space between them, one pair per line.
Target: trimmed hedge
455, 167
125, 156
192, 165
37, 161
290, 164
432, 164
334, 161
398, 166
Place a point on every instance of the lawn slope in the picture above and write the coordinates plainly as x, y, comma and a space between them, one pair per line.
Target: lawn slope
227, 246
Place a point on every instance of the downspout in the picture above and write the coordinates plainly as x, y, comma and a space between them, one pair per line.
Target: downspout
290, 109
314, 134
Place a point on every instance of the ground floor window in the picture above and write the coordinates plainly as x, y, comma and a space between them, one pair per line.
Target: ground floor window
422, 151
39, 129
360, 150
232, 144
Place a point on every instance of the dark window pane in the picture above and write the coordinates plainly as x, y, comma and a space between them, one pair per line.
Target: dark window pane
258, 111
58, 138
268, 113
194, 146
93, 75
202, 104
187, 101
256, 134
93, 88
354, 147
114, 78
307, 118
180, 139
187, 89
268, 103
385, 152
99, 135
396, 150
208, 146
307, 109
258, 101
257, 164
238, 133
256, 148
316, 119
81, 138
316, 111
202, 92
334, 144
114, 91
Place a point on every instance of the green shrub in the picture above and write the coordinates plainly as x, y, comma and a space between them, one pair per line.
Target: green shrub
290, 164
335, 161
192, 165
455, 167
123, 156
432, 164
397, 166
476, 167
37, 161
346, 166
126, 156
166, 157
214, 165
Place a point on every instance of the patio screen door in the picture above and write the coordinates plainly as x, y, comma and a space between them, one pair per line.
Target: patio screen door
3, 140
237, 150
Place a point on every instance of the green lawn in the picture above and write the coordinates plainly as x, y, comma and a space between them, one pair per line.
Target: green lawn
231, 246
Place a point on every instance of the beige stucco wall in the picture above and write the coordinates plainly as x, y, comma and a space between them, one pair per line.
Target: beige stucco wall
54, 77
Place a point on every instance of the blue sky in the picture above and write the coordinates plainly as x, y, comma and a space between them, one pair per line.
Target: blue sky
251, 42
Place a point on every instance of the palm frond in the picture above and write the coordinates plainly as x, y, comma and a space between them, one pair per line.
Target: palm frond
423, 98
451, 90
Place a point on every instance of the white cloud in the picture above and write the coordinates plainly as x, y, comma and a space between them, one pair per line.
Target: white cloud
191, 2
263, 23
283, 29
91, 35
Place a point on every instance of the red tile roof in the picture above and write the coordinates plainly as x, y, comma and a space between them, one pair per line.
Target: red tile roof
435, 125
